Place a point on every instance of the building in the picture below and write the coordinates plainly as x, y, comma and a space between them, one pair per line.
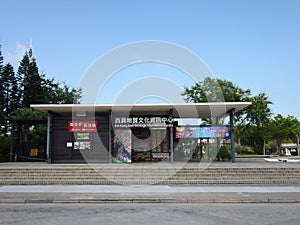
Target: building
289, 149
133, 133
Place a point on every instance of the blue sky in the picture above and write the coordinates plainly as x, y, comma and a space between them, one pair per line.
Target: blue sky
254, 43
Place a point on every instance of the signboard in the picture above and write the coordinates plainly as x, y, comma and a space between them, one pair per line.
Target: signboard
69, 144
160, 155
143, 122
82, 136
203, 132
82, 126
34, 152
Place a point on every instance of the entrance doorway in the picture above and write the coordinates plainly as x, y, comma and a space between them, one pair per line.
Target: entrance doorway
150, 145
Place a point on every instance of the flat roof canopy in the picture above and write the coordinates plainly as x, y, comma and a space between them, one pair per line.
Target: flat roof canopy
178, 110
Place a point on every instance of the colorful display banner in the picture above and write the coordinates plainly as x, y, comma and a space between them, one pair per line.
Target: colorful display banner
203, 132
82, 126
187, 132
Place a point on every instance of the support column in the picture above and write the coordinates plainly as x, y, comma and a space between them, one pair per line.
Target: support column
218, 148
201, 149
48, 157
232, 136
12, 144
171, 144
109, 136
218, 145
170, 114
208, 149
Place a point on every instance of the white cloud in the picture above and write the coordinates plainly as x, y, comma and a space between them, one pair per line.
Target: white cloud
14, 55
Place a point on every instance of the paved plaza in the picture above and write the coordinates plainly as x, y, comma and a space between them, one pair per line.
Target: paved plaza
149, 194
238, 204
189, 193
162, 214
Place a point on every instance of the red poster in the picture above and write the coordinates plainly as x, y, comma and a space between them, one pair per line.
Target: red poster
82, 126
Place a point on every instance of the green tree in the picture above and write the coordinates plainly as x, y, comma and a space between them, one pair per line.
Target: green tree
215, 90
258, 116
1, 59
59, 93
9, 99
250, 123
36, 88
295, 131
259, 112
31, 82
22, 77
282, 128
2, 94
26, 129
20, 90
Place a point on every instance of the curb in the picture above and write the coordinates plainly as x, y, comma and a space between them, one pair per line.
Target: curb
233, 198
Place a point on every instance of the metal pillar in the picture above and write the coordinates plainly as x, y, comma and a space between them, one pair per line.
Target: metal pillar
48, 157
201, 149
171, 144
218, 145
208, 148
12, 144
232, 136
109, 136
218, 148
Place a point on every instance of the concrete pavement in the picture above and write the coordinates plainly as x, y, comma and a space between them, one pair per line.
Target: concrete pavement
149, 194
149, 214
246, 164
201, 193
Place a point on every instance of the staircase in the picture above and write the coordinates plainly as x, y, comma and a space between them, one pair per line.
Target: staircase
106, 174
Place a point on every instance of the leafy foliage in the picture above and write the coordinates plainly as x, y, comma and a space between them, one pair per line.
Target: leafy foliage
254, 126
284, 128
9, 98
225, 153
27, 131
27, 86
215, 90
38, 89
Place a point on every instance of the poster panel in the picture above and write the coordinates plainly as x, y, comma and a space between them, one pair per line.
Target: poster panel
122, 145
187, 132
214, 132
82, 145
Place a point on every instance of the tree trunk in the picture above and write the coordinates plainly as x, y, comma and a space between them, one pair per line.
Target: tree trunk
278, 147
298, 144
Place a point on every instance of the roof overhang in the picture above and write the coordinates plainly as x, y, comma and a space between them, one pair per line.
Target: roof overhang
178, 110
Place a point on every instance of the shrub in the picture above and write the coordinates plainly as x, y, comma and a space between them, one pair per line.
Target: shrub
225, 153
244, 150
4, 148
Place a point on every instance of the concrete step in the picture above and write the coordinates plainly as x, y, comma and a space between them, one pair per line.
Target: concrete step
139, 175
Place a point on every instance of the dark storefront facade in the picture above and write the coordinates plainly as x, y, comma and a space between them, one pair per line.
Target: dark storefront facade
78, 145
127, 133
